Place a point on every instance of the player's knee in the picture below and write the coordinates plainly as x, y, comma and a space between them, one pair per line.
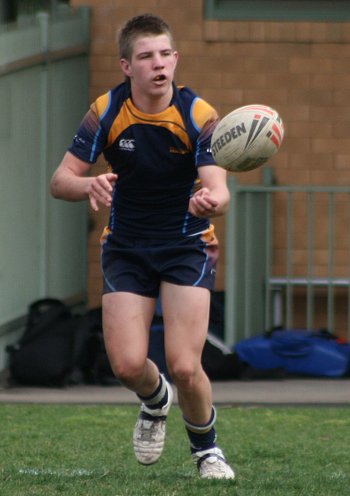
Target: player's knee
128, 373
182, 374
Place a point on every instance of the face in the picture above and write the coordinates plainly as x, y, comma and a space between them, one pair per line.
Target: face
151, 68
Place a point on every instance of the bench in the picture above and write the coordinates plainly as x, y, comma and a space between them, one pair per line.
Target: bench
278, 284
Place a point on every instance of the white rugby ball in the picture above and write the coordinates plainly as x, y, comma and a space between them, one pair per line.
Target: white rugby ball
247, 137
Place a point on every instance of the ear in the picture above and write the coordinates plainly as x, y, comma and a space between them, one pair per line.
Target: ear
125, 67
176, 55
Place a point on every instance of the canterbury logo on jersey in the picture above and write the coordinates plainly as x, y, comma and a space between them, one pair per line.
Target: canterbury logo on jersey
127, 144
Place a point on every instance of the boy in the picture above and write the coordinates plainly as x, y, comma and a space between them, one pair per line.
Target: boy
162, 187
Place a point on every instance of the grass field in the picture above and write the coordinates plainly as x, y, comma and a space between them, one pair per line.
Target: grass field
86, 450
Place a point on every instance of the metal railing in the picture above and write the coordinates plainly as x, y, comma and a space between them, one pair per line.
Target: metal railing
287, 259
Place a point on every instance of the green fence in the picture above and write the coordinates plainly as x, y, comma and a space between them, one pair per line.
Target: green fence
287, 259
43, 95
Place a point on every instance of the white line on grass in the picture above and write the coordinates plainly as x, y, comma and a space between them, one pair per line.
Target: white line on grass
78, 472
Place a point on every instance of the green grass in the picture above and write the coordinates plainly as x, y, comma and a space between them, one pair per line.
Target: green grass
86, 450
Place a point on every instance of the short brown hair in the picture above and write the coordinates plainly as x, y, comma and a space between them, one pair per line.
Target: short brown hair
145, 24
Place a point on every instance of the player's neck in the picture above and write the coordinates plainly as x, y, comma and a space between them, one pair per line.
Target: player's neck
152, 104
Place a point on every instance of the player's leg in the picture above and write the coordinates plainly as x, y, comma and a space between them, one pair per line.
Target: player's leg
127, 318
186, 317
126, 321
185, 313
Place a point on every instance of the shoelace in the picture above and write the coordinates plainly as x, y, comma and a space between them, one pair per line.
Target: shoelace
149, 429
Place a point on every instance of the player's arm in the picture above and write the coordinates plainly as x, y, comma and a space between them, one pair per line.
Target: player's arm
213, 198
70, 182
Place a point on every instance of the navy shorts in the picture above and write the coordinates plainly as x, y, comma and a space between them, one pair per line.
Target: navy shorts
139, 266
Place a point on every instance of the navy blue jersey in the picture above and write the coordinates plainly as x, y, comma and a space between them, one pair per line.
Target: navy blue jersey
156, 157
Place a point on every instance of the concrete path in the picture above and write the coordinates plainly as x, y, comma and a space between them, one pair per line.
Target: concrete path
302, 391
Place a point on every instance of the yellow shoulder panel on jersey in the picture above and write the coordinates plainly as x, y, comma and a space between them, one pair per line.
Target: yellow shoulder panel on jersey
202, 112
101, 104
169, 119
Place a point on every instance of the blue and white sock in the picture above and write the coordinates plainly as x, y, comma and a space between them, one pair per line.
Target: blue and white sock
158, 398
202, 437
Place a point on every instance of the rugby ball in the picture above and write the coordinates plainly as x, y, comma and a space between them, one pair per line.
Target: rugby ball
247, 137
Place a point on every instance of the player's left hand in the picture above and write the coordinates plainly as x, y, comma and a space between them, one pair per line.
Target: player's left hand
202, 204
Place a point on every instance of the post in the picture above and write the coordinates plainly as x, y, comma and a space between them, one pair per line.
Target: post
230, 277
44, 23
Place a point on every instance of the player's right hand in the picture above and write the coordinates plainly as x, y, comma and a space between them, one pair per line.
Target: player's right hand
101, 190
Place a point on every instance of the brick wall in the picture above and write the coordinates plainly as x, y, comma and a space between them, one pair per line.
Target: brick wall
301, 69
